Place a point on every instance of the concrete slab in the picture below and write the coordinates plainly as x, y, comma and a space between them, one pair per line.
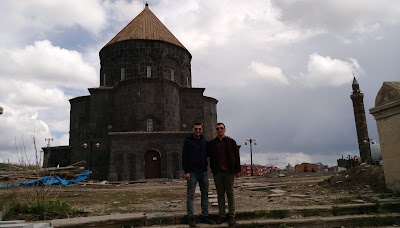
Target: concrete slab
300, 196
135, 219
12, 222
17, 226
275, 195
41, 225
277, 191
213, 200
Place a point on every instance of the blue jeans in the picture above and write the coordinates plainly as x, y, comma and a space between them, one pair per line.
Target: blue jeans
202, 178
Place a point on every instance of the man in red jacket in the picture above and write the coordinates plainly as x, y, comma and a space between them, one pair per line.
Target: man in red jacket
225, 165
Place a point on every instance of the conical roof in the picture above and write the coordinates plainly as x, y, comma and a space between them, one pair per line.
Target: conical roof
146, 26
355, 82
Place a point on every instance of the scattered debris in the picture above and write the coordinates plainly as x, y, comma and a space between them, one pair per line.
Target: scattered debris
363, 178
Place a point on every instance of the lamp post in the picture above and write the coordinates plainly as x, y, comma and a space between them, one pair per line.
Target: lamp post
251, 141
285, 160
46, 160
85, 145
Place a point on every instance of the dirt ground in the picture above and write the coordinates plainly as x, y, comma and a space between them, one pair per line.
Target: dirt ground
251, 193
93, 199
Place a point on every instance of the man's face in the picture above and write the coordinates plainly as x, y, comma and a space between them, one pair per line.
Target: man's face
197, 130
220, 129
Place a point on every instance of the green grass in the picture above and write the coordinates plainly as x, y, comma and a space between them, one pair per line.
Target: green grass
335, 210
39, 210
311, 212
373, 222
344, 200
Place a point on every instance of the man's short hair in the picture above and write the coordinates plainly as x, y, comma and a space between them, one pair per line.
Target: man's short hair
220, 124
197, 123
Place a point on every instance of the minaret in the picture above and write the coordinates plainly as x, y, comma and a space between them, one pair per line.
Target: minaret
361, 123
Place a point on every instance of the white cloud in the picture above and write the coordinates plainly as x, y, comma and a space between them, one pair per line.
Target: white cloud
27, 18
50, 65
341, 17
325, 71
208, 24
267, 72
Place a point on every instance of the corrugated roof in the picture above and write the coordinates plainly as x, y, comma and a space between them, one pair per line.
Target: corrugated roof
146, 26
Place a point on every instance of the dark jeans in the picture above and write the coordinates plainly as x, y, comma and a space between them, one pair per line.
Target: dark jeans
202, 178
224, 184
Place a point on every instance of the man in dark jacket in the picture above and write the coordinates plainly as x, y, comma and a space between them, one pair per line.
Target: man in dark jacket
225, 165
194, 163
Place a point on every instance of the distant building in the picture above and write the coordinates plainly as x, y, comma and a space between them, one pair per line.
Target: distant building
348, 162
289, 168
258, 170
306, 167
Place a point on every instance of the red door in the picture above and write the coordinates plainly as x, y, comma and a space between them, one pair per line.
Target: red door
152, 164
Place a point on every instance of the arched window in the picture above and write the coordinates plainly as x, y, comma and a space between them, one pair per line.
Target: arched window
149, 71
149, 125
172, 75
122, 74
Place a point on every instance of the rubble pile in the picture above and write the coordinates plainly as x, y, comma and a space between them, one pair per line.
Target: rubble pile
18, 173
359, 178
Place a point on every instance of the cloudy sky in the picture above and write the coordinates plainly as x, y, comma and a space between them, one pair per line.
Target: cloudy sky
281, 69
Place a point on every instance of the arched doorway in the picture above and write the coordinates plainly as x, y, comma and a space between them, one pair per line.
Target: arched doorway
152, 164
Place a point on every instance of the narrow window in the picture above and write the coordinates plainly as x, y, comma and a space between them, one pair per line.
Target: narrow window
104, 79
149, 125
149, 71
187, 81
122, 74
172, 75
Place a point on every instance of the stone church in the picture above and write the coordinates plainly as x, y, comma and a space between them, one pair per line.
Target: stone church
133, 125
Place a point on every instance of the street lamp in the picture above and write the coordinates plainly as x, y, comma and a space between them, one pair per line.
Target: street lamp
251, 141
285, 160
85, 145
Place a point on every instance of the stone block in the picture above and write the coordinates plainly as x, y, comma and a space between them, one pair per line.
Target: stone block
22, 225
275, 195
278, 191
12, 222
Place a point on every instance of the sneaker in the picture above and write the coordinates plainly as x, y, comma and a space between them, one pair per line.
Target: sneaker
220, 219
207, 220
232, 222
192, 221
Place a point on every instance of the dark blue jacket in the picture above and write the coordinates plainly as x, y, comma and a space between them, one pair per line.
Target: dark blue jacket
194, 154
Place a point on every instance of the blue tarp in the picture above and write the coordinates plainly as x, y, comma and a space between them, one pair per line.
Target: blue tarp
46, 180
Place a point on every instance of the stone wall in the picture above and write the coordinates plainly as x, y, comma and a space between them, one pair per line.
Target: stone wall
134, 56
387, 116
128, 150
